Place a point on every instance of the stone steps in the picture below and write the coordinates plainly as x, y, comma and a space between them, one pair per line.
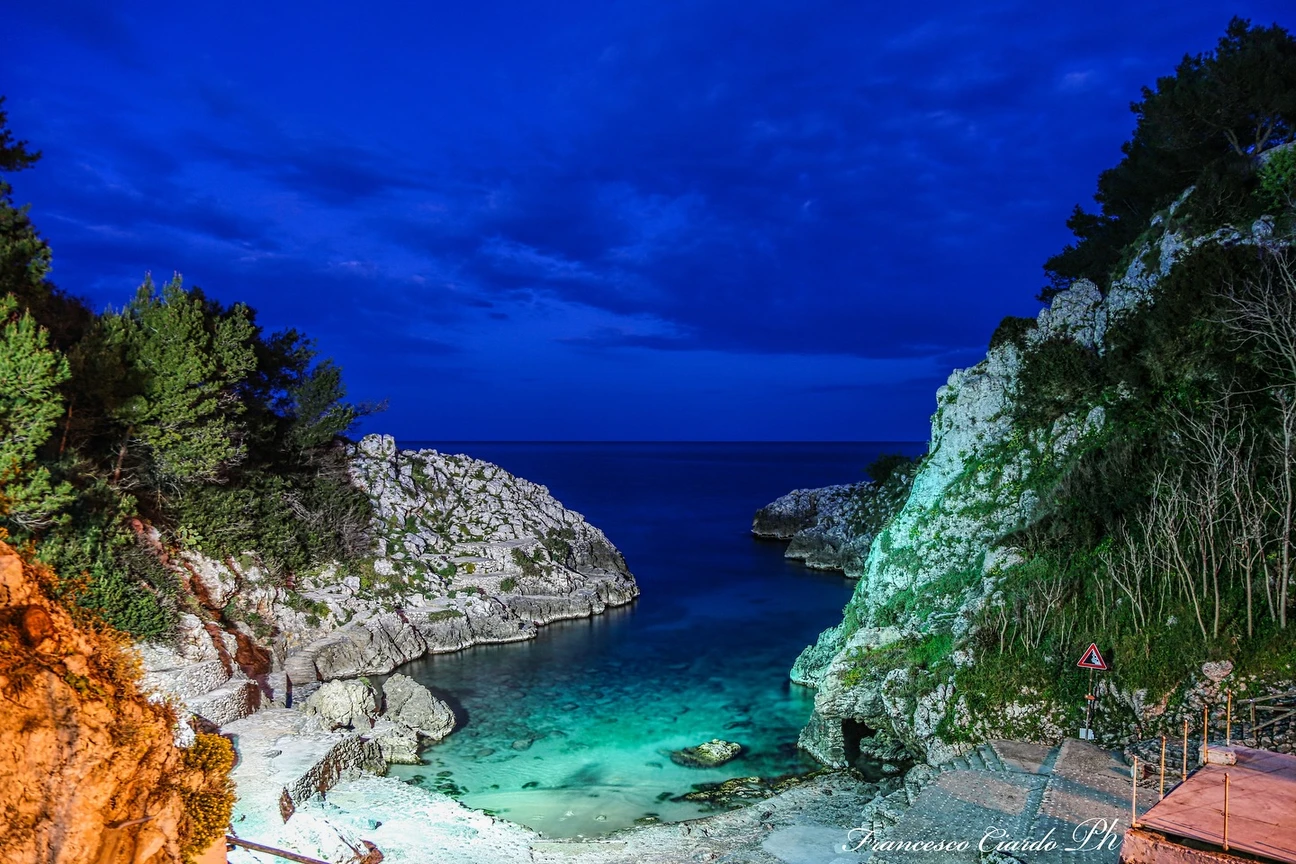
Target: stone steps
991, 758
984, 757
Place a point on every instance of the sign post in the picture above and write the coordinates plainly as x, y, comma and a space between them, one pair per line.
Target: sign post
1092, 660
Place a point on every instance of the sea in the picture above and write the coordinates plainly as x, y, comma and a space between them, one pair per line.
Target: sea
570, 733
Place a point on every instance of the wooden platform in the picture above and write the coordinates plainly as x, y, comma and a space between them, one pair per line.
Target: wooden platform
1262, 806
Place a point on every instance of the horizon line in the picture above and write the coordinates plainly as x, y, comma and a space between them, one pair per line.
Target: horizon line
645, 441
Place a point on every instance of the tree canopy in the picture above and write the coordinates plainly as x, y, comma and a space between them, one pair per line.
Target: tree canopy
1204, 126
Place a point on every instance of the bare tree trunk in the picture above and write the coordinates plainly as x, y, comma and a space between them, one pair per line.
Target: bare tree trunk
121, 455
1287, 463
67, 426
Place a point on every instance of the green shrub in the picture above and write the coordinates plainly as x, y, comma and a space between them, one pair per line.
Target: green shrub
530, 568
1012, 330
881, 468
110, 573
507, 584
929, 651
1224, 194
291, 521
1276, 185
559, 543
1057, 376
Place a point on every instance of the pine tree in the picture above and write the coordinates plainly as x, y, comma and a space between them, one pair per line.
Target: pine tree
30, 375
188, 357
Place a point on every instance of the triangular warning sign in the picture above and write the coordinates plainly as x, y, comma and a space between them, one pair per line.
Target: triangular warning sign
1092, 658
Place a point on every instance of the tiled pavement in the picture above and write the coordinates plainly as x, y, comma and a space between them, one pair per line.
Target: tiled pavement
1042, 804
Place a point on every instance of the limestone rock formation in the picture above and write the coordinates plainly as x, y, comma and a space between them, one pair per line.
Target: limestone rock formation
398, 743
344, 704
945, 544
831, 528
466, 554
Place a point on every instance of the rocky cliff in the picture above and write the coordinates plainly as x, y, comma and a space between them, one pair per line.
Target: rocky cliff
465, 553
928, 573
89, 770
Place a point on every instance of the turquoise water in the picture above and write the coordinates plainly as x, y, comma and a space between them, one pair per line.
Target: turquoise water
570, 733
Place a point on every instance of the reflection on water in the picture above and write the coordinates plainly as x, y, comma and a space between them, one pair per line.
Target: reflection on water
571, 733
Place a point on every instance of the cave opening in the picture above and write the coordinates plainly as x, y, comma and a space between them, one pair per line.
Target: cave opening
853, 732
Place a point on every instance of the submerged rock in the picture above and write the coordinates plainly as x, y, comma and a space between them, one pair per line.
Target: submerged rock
739, 791
730, 793
706, 755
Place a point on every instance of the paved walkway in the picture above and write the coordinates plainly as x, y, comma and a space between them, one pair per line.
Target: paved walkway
1017, 792
1038, 804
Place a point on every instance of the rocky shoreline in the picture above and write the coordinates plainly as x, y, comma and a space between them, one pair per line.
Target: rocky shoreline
831, 528
328, 784
465, 554
1011, 791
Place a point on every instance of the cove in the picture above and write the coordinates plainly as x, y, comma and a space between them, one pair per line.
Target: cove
570, 733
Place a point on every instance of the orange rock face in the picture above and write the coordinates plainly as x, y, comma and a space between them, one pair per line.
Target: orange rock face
89, 771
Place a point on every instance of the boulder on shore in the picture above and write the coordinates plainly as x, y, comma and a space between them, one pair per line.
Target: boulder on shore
351, 704
398, 743
410, 704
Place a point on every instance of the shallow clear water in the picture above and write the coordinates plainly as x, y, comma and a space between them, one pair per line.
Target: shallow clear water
570, 733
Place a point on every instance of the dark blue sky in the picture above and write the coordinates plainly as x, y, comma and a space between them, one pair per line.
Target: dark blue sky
592, 220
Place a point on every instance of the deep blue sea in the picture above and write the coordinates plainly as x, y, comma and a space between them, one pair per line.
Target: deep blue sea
570, 733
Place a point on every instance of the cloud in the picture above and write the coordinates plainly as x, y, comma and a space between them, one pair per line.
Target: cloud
795, 185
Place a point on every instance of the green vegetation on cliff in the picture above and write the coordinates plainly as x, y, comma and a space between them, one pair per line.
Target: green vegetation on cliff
1169, 537
173, 413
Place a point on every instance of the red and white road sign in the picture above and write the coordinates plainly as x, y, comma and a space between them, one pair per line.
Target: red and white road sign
1093, 659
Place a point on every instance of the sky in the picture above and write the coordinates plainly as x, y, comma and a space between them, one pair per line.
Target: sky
611, 220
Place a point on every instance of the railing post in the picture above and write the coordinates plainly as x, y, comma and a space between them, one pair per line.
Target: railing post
1228, 722
1134, 776
1226, 813
1163, 766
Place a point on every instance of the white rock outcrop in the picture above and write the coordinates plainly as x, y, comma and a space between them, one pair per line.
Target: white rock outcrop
973, 489
831, 528
344, 704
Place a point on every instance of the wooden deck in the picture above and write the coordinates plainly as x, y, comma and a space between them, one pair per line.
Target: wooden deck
1262, 806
